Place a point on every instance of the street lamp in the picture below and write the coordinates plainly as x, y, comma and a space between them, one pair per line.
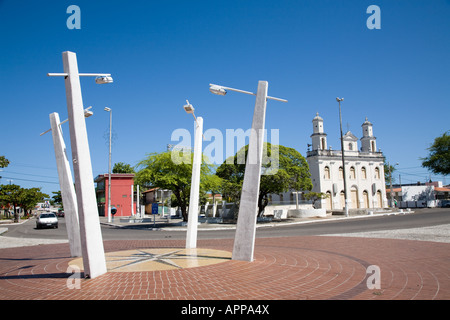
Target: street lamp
66, 182
190, 109
343, 158
68, 195
244, 242
93, 252
191, 235
103, 79
87, 114
109, 163
221, 91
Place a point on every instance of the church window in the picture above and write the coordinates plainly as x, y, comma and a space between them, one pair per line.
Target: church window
352, 173
350, 146
363, 173
327, 173
341, 173
377, 173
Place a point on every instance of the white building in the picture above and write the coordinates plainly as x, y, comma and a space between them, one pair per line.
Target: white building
364, 169
430, 194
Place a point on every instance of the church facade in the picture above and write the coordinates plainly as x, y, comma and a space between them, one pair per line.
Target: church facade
364, 168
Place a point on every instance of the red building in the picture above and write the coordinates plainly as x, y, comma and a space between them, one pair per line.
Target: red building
121, 194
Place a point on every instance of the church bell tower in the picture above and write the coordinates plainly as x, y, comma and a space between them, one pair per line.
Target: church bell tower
368, 141
319, 138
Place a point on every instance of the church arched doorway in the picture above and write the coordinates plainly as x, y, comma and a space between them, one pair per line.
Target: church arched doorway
329, 201
365, 199
354, 198
379, 199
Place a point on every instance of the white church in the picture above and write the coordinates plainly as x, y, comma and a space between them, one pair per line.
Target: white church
364, 168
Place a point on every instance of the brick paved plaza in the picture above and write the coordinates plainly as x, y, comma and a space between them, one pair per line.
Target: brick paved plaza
285, 268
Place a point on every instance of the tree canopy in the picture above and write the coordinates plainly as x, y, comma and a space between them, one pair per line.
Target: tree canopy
3, 162
121, 167
23, 197
438, 160
283, 169
158, 170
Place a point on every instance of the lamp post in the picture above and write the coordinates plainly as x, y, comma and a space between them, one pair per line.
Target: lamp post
244, 241
68, 195
191, 235
109, 163
93, 253
87, 114
343, 158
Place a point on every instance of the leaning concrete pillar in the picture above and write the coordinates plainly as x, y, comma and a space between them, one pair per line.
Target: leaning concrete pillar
93, 254
244, 241
69, 198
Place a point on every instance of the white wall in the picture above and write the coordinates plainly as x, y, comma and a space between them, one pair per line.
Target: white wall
414, 193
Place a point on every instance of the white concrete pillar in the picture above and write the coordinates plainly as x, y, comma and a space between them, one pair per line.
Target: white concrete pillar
93, 253
214, 209
132, 200
68, 195
191, 236
138, 208
206, 208
244, 241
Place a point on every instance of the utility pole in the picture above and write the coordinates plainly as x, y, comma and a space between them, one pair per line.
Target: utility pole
343, 158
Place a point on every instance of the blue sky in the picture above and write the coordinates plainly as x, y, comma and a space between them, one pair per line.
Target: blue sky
161, 53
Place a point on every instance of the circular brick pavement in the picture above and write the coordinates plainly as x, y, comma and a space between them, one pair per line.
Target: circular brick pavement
156, 259
304, 267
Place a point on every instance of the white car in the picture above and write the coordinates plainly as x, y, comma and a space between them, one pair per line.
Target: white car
47, 219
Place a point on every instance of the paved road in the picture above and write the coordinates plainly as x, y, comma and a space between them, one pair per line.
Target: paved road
418, 219
428, 221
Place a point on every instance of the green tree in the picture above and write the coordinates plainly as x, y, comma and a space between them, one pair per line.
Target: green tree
438, 160
121, 167
158, 170
17, 196
212, 183
387, 177
314, 196
30, 197
290, 171
232, 174
57, 198
11, 194
3, 162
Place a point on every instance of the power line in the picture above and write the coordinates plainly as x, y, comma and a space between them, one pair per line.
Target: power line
401, 168
40, 181
30, 166
420, 174
30, 174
